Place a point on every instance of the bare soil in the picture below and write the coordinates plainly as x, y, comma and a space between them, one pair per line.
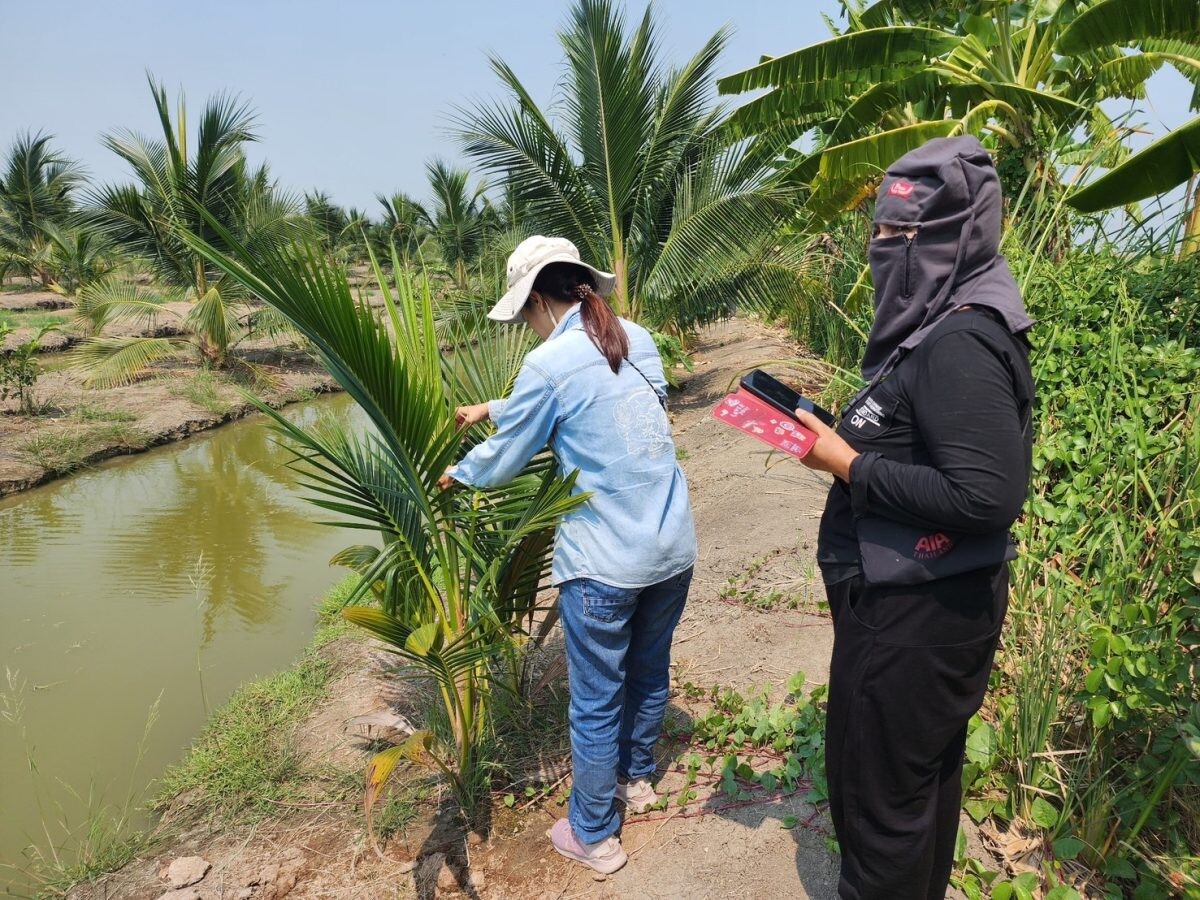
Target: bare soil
78, 426
753, 619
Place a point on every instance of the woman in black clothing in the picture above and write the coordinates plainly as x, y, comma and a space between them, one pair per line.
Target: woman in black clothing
932, 465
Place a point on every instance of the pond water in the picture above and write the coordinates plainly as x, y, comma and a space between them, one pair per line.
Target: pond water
134, 598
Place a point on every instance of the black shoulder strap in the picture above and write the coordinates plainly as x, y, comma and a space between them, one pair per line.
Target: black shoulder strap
662, 398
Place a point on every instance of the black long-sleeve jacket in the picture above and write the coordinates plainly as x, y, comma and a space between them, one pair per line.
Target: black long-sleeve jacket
945, 440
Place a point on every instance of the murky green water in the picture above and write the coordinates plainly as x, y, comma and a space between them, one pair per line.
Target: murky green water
158, 582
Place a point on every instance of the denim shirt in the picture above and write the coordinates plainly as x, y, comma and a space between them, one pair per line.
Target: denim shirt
636, 529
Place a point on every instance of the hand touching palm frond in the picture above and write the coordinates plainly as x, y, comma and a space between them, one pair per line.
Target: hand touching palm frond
455, 573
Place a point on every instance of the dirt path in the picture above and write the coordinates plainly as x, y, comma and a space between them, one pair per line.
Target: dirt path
753, 514
752, 621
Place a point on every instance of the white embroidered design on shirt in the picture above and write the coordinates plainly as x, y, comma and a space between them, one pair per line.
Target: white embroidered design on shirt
643, 424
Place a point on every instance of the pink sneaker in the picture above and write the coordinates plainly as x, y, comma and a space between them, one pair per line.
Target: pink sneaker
638, 796
604, 857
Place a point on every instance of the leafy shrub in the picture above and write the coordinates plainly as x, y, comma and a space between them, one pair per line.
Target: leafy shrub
1096, 725
19, 369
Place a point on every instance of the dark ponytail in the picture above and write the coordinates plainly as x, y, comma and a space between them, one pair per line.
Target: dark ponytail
569, 283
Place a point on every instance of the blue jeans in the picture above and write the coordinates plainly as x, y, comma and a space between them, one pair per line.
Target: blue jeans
619, 657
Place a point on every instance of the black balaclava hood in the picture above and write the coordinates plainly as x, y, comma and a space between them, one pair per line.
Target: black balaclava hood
947, 189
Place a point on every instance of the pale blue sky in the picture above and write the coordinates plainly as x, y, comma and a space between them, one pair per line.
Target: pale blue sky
352, 97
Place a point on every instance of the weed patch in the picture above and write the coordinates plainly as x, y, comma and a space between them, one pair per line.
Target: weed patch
104, 850
89, 412
30, 319
63, 452
203, 390
247, 761
742, 589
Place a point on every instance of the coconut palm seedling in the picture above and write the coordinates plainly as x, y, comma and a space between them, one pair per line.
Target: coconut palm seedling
404, 225
19, 369
456, 573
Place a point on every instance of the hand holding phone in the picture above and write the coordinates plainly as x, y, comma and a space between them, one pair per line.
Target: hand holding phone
782, 397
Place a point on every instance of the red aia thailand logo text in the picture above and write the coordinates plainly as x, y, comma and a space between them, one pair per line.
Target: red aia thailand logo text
901, 189
931, 546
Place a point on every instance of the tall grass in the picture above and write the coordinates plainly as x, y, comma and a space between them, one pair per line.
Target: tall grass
832, 310
73, 846
1096, 710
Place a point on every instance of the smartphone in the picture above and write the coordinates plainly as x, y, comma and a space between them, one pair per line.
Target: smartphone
782, 397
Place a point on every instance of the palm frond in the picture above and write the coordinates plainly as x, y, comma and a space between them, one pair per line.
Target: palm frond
108, 362
214, 319
519, 143
114, 299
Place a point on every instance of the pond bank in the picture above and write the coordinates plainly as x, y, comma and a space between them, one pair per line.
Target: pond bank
81, 426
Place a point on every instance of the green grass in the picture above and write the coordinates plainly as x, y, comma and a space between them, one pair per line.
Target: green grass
401, 807
66, 452
90, 412
104, 850
1095, 731
203, 390
34, 318
247, 761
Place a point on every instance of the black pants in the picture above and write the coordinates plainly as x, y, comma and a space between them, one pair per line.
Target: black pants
910, 667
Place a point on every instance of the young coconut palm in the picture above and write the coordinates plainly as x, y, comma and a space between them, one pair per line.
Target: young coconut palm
404, 226
455, 573
79, 255
181, 189
457, 218
633, 169
37, 188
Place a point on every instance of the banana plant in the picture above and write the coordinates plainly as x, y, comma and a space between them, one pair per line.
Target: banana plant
456, 574
1022, 75
1168, 32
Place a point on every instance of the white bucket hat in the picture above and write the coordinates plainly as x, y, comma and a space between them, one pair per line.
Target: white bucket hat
530, 257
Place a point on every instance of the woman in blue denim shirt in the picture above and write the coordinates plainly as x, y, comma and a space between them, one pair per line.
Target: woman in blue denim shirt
595, 391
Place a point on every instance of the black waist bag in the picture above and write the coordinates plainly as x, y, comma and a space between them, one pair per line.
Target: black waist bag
895, 554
